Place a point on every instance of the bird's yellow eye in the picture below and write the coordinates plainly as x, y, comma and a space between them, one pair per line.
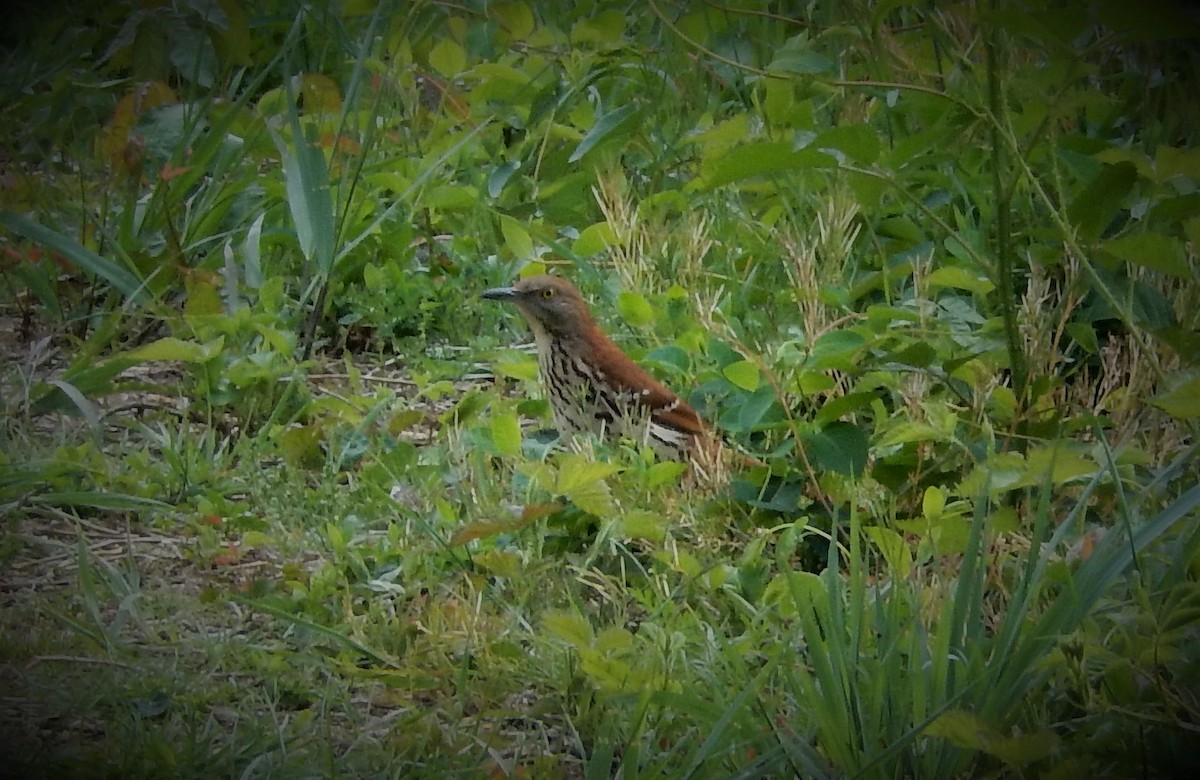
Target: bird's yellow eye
548, 293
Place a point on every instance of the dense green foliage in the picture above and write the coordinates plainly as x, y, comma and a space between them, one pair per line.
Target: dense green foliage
276, 503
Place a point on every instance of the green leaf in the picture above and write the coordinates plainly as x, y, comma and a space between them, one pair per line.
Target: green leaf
309, 200
635, 309
858, 142
448, 58
643, 525
506, 433
1183, 402
895, 550
833, 349
604, 28
1094, 208
840, 447
1151, 250
516, 238
933, 503
176, 349
570, 627
125, 283
96, 499
960, 278
515, 18
761, 158
594, 239
744, 374
500, 176
582, 482
608, 125
797, 56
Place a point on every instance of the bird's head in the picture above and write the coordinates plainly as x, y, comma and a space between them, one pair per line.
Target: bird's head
552, 306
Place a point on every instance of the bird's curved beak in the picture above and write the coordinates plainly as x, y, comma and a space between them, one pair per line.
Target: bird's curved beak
499, 294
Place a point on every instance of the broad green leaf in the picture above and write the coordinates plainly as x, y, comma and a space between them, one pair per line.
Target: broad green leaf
1182, 403
176, 349
448, 58
722, 135
594, 239
1061, 463
895, 550
578, 471
321, 93
664, 472
858, 142
960, 278
839, 407
744, 374
517, 365
933, 503
1170, 162
506, 433
635, 309
1152, 250
125, 283
907, 432
612, 124
794, 591
504, 563
309, 200
516, 238
605, 28
515, 18
834, 348
797, 55
754, 410
569, 627
1094, 208
967, 730
500, 176
643, 525
760, 158
840, 447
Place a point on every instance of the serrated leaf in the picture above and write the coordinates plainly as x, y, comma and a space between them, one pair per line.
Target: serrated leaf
569, 627
643, 525
744, 374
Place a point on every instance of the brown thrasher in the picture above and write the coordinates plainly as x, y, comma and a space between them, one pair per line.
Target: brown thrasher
594, 387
